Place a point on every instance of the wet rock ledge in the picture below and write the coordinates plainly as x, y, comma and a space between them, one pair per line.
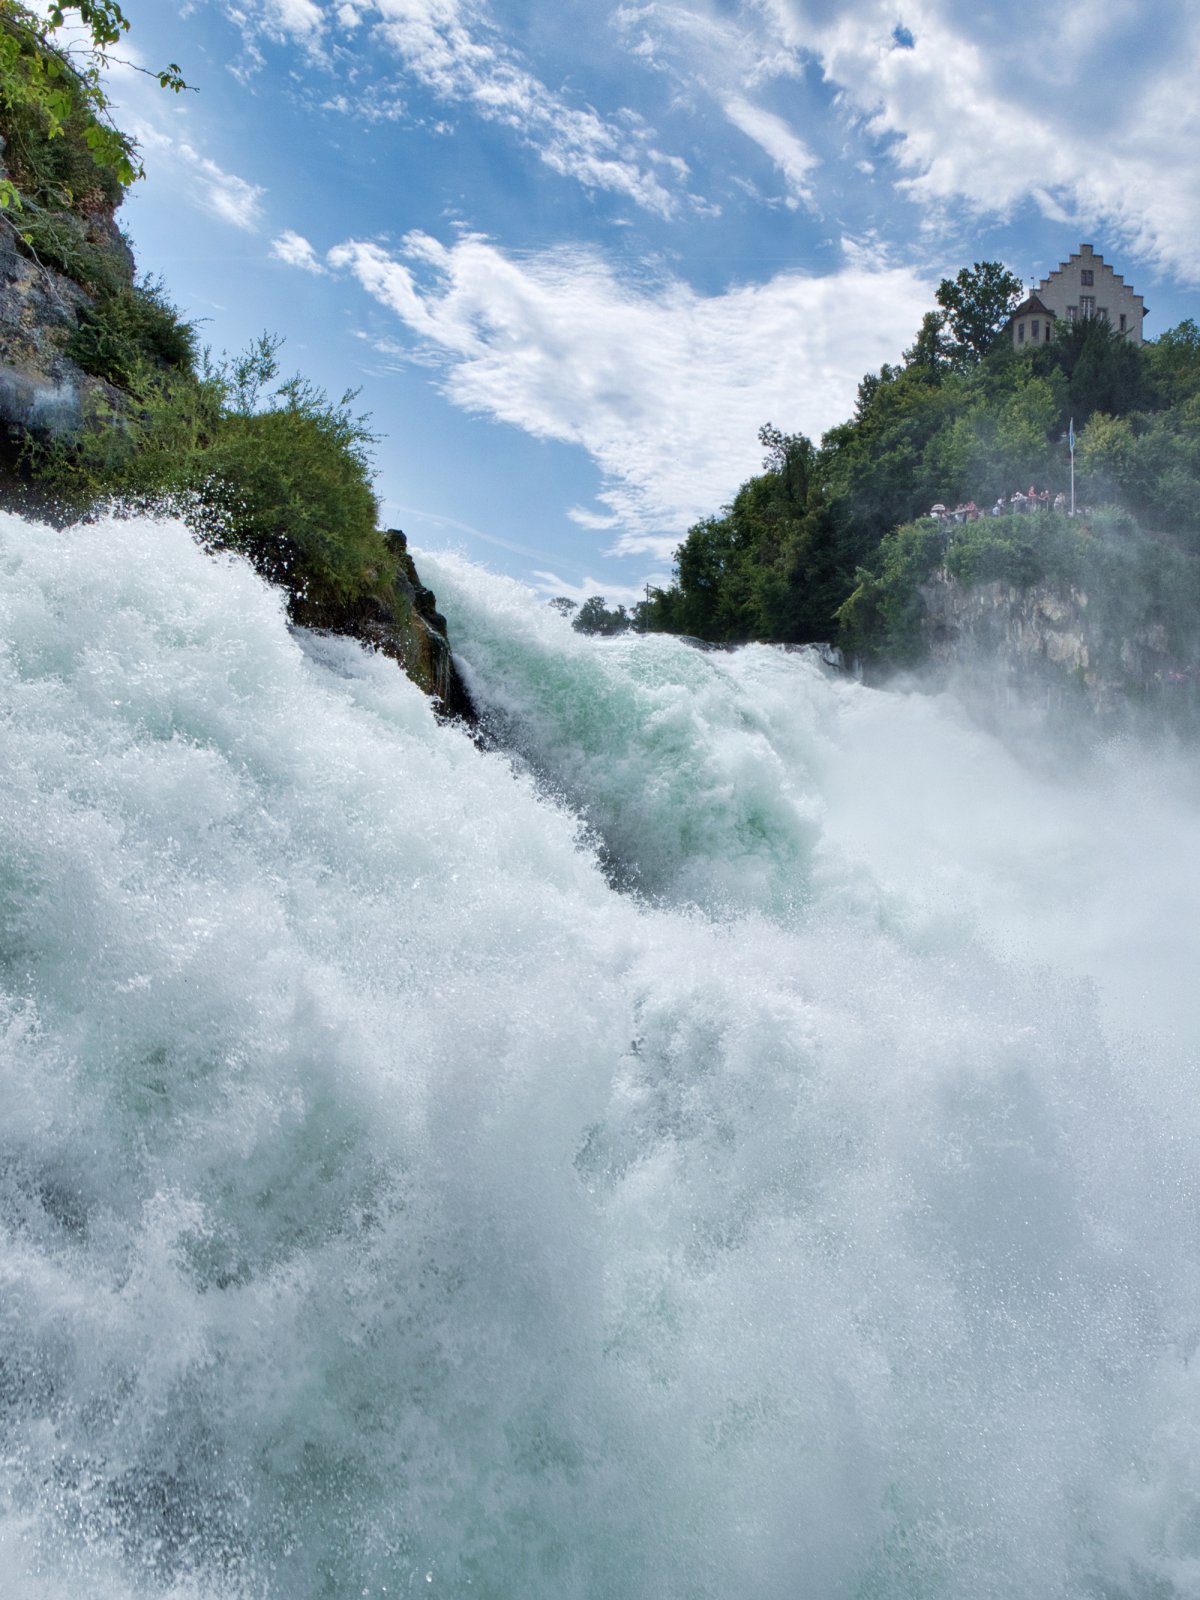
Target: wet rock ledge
405, 625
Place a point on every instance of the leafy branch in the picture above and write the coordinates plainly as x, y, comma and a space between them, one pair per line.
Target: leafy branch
44, 75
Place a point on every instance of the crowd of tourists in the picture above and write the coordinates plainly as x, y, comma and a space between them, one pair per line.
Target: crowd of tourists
1006, 506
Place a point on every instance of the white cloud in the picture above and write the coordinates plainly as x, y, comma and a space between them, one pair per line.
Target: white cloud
1076, 110
1082, 112
664, 387
303, 20
222, 194
295, 250
453, 48
786, 150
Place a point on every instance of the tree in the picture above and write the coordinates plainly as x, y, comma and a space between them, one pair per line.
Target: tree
1175, 361
1104, 370
563, 605
49, 79
594, 617
932, 349
977, 304
790, 458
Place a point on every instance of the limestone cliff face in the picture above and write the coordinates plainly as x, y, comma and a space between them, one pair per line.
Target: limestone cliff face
42, 392
1045, 641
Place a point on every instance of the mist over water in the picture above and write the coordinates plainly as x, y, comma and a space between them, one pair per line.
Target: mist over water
745, 1144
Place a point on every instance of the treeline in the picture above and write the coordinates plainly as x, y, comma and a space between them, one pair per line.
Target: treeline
593, 616
963, 417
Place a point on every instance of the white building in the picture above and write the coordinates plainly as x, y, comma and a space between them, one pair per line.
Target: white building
1082, 286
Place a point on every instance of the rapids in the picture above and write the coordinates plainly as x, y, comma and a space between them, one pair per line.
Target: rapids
738, 1141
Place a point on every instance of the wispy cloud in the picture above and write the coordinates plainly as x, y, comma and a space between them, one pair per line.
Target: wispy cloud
1098, 121
222, 194
785, 148
295, 250
455, 49
665, 388
1079, 112
304, 21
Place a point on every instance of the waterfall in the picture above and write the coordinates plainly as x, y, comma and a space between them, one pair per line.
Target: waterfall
737, 1137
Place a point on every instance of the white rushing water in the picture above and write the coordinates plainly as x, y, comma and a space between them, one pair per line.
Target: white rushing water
780, 1182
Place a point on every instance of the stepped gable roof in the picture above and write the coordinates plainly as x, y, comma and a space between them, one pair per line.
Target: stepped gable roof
1086, 253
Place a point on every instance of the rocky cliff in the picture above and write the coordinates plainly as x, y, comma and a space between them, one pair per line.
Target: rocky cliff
1050, 642
404, 624
44, 394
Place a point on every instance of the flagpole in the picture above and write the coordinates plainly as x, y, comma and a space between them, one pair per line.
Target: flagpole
1071, 442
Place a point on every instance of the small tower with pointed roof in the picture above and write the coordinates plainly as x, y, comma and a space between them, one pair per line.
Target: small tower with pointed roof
1030, 323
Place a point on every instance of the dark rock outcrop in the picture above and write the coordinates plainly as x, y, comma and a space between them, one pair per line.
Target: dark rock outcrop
404, 624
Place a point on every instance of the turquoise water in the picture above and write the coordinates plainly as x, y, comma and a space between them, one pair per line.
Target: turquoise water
741, 1142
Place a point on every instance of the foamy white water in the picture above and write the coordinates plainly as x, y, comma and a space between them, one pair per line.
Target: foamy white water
391, 1205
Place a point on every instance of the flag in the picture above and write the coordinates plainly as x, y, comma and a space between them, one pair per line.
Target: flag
1071, 435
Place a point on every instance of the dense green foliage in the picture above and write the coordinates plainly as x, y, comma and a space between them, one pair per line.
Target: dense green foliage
274, 469
129, 330
975, 306
62, 146
807, 551
593, 616
1132, 581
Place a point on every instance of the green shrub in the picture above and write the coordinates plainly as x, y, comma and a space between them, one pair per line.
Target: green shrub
129, 329
61, 146
62, 240
1021, 550
56, 169
277, 471
295, 495
882, 616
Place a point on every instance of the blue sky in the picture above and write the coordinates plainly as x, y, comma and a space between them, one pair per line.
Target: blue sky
574, 255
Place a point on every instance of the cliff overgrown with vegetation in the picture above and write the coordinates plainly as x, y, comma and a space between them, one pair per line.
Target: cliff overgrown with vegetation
833, 541
107, 396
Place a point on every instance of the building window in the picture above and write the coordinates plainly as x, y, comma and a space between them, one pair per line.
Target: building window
1035, 329
1072, 313
1020, 333
1103, 313
1122, 322
1087, 305
1087, 277
1047, 330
